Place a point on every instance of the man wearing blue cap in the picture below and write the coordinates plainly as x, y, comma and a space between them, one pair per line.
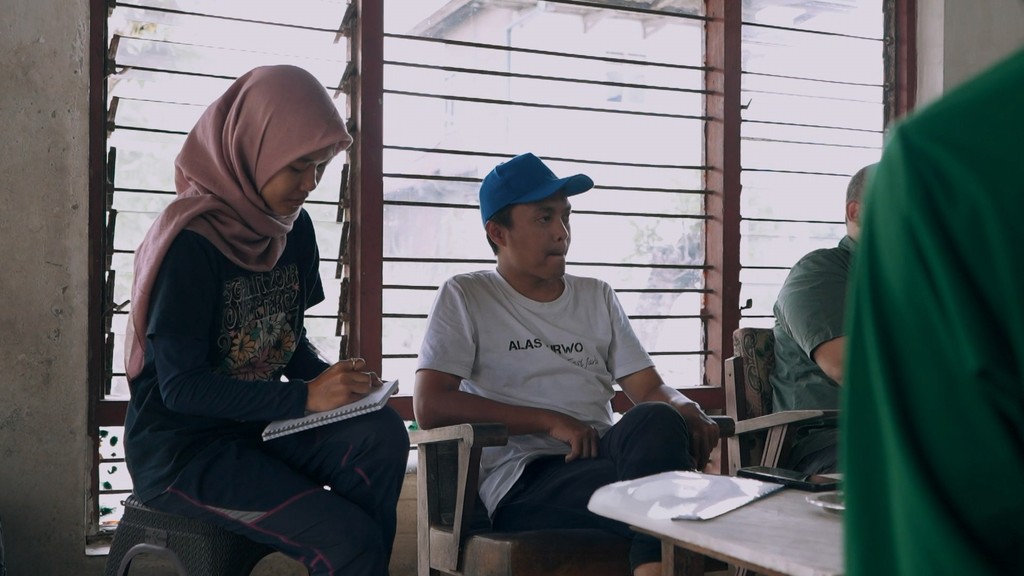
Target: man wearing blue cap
540, 350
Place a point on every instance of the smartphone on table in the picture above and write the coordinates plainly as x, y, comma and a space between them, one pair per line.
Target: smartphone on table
791, 478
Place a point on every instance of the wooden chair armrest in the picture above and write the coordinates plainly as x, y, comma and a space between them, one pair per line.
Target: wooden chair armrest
479, 434
779, 418
726, 425
446, 487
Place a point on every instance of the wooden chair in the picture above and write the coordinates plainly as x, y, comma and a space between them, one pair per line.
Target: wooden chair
453, 531
762, 437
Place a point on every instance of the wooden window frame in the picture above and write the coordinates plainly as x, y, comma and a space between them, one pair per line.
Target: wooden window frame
722, 154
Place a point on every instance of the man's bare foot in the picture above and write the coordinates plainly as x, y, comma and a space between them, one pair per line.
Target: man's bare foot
648, 569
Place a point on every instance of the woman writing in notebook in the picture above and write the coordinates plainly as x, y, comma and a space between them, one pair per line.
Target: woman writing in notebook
222, 283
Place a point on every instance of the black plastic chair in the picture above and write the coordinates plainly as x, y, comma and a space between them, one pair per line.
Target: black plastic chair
194, 547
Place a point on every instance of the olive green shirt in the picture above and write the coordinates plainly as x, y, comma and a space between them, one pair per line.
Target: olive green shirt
809, 312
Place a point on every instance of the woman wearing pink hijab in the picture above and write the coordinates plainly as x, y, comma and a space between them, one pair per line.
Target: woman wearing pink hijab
222, 283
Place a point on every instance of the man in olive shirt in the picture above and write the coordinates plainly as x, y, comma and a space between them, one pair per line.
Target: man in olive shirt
809, 340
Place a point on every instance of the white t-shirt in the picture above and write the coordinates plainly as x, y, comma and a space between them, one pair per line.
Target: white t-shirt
563, 355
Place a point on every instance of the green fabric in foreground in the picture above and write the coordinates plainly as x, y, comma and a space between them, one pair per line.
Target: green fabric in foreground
933, 409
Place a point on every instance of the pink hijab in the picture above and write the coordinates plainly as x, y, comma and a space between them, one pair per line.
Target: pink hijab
267, 119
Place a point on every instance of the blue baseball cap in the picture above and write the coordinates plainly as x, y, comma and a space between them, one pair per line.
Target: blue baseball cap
525, 179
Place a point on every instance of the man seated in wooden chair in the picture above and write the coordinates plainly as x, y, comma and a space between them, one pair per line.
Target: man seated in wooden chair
539, 350
809, 340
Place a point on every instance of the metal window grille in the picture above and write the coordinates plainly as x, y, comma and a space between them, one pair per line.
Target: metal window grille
813, 97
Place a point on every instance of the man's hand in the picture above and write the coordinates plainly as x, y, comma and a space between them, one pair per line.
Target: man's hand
647, 386
582, 439
703, 433
341, 384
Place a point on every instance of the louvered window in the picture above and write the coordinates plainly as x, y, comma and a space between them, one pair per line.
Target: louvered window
813, 96
611, 91
166, 61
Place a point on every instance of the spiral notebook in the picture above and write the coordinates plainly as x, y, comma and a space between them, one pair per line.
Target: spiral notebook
375, 400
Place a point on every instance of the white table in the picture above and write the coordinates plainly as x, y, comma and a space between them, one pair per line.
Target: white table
779, 534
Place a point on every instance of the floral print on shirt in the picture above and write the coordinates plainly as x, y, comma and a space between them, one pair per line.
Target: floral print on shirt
258, 333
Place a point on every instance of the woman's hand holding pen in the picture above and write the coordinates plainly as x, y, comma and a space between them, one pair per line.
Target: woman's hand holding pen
342, 383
